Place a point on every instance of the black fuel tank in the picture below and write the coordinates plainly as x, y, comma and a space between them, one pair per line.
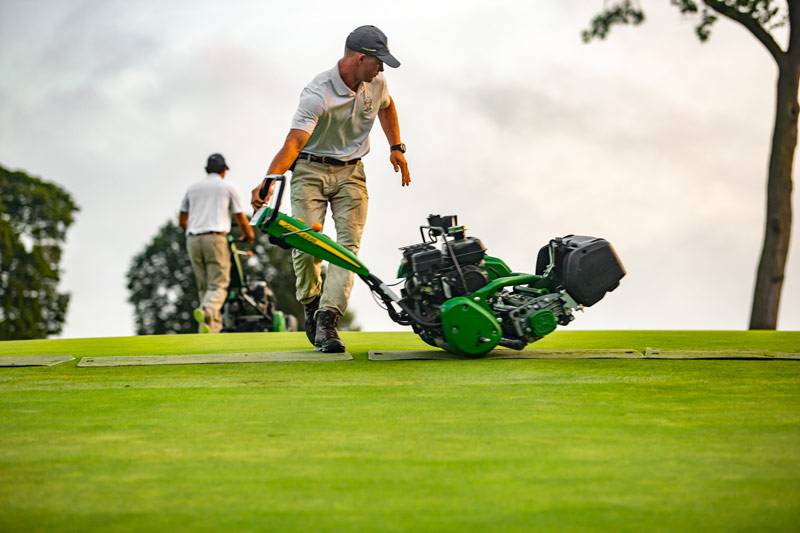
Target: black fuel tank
468, 251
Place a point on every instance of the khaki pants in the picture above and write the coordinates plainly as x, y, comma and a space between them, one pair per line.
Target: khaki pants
211, 262
313, 187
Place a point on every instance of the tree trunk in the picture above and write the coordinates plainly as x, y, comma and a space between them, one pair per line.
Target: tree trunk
769, 279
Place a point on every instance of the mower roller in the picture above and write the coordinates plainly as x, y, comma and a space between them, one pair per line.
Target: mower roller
458, 298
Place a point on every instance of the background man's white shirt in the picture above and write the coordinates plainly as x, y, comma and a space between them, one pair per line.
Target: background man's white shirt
210, 203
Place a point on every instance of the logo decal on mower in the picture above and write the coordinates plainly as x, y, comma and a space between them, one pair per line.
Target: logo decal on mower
316, 242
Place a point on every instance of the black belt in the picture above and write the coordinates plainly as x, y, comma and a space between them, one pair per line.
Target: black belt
327, 160
209, 233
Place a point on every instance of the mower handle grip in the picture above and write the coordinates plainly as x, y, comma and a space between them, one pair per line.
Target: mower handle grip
267, 184
269, 179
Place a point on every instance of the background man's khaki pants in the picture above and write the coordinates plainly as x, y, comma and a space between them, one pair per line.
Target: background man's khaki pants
211, 262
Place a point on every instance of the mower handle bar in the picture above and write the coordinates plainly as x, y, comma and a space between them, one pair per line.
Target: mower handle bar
269, 179
267, 183
241, 240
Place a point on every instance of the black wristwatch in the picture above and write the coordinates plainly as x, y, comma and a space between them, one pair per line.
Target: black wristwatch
401, 147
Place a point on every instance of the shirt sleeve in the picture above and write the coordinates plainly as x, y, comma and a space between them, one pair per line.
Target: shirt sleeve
308, 112
185, 203
236, 203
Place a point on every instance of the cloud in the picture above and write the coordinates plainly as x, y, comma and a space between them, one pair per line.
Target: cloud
649, 139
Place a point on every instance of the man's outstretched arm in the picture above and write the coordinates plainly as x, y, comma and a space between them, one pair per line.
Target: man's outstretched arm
292, 146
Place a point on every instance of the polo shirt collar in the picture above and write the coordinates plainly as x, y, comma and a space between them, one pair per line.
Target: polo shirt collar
339, 85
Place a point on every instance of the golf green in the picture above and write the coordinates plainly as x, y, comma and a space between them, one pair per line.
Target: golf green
475, 445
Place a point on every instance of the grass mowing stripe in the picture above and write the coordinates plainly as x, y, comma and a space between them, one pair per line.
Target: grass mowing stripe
359, 343
511, 445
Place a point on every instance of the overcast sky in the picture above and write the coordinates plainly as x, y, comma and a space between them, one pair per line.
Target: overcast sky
650, 139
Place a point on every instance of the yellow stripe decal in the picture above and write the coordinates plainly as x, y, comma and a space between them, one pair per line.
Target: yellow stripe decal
317, 242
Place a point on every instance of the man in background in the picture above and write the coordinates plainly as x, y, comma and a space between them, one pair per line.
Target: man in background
206, 218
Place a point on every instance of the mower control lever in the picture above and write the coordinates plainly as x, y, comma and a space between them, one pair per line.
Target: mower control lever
316, 226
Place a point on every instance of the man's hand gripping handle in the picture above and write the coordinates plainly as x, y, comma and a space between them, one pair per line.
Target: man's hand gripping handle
261, 194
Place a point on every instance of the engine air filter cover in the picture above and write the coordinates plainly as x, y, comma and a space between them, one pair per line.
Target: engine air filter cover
589, 268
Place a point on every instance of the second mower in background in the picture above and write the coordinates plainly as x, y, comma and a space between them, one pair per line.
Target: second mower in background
251, 304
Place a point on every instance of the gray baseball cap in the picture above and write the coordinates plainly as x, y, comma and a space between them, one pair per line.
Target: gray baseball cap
371, 41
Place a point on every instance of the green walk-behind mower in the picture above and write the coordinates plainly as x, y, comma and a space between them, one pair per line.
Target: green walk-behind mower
457, 297
251, 304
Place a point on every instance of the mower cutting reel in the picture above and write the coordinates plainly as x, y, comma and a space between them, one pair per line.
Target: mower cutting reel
457, 297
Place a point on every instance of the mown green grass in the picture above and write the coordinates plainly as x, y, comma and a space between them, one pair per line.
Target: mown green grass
497, 445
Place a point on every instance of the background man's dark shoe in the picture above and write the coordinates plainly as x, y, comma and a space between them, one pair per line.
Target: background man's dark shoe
327, 339
311, 322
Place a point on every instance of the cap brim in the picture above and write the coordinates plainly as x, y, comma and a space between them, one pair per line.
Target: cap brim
388, 59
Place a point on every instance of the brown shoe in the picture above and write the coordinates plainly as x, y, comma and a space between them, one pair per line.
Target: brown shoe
327, 338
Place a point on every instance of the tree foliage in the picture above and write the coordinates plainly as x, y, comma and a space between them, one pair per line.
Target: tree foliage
757, 15
163, 290
34, 218
162, 285
761, 18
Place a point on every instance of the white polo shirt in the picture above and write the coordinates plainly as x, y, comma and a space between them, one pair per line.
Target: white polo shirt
338, 119
210, 203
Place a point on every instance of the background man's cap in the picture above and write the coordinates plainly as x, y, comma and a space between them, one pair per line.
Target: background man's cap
216, 163
371, 41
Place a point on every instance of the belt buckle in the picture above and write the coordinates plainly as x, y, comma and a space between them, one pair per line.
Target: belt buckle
323, 161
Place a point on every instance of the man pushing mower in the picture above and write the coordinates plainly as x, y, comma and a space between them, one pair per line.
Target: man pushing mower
205, 216
328, 137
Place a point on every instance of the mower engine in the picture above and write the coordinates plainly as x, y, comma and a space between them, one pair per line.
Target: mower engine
468, 302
